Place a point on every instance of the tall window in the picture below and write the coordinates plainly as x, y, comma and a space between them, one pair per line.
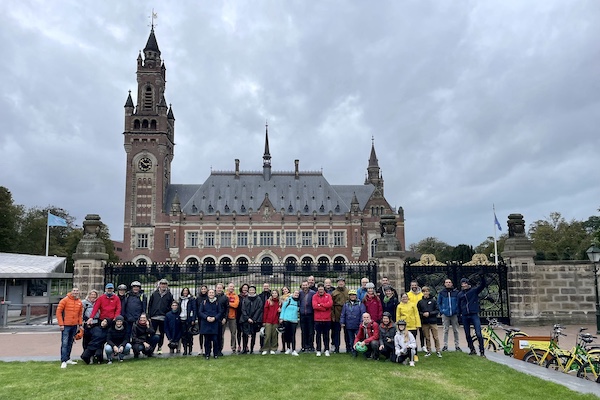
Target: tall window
338, 239
322, 238
209, 239
148, 98
290, 238
266, 238
373, 247
225, 239
167, 239
191, 239
307, 238
242, 239
142, 241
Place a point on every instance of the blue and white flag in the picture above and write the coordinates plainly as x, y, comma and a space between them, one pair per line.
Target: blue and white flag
497, 223
54, 220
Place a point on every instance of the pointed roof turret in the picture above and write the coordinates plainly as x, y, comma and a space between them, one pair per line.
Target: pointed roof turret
373, 162
170, 113
176, 204
267, 155
152, 44
354, 199
129, 102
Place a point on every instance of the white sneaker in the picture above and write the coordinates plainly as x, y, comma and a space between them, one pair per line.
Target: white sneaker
272, 352
327, 353
288, 351
109, 362
159, 350
264, 353
71, 362
318, 354
63, 364
424, 349
295, 353
412, 364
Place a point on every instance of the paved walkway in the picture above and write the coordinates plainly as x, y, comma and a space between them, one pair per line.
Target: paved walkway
42, 343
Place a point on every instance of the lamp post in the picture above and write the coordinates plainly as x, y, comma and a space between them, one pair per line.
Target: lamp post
593, 254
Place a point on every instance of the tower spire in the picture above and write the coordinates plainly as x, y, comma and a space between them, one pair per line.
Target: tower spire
267, 155
373, 170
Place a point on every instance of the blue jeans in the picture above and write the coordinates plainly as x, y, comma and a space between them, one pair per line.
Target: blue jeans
109, 351
67, 337
467, 320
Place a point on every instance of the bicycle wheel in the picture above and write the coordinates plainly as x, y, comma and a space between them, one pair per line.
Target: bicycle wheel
559, 363
534, 356
589, 371
491, 345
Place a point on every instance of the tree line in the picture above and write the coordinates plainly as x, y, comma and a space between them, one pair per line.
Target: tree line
23, 231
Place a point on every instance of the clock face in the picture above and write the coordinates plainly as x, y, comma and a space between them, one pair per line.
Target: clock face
145, 164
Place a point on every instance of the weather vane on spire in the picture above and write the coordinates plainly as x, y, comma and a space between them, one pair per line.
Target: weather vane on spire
152, 17
372, 140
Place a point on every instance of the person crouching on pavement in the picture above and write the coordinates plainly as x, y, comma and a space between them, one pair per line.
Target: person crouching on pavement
117, 341
96, 345
368, 335
405, 344
144, 338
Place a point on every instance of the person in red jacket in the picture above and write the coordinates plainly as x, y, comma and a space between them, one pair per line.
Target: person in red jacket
373, 304
368, 335
271, 322
69, 315
322, 304
108, 304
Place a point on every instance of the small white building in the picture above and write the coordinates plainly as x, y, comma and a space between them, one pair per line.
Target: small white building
37, 281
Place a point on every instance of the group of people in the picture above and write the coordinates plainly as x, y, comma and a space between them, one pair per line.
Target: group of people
377, 323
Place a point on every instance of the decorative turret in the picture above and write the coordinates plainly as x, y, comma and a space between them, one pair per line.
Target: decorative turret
176, 204
267, 156
373, 171
354, 206
129, 105
151, 51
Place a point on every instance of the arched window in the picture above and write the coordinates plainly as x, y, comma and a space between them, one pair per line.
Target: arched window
136, 124
242, 264
373, 247
145, 124
290, 264
339, 263
322, 263
153, 124
226, 264
148, 98
193, 264
307, 264
209, 264
266, 266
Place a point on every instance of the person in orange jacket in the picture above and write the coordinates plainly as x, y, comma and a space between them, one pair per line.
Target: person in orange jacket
69, 315
234, 303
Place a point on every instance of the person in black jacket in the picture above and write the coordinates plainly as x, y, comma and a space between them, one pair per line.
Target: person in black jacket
188, 319
117, 341
144, 338
134, 305
96, 345
468, 304
158, 307
387, 331
251, 320
223, 301
210, 314
428, 311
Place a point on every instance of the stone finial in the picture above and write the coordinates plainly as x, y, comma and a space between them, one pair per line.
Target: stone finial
516, 225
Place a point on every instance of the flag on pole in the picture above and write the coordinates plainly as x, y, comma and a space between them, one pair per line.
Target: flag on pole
496, 222
54, 220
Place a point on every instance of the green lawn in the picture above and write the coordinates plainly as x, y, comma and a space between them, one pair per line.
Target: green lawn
456, 376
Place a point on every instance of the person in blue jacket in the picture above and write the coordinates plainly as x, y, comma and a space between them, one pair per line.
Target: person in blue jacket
468, 304
210, 314
351, 318
448, 305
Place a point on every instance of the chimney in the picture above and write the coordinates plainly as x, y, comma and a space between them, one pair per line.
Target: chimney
296, 171
237, 168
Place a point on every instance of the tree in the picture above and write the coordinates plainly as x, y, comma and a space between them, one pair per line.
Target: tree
431, 245
462, 253
487, 246
32, 232
10, 214
556, 239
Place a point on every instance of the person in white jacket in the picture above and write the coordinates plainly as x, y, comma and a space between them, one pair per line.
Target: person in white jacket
405, 344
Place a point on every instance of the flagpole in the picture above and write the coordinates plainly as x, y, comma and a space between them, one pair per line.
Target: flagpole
47, 232
495, 240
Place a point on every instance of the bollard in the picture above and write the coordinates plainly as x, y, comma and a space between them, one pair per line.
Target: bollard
28, 314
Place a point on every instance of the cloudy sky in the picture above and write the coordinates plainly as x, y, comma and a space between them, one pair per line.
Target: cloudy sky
470, 103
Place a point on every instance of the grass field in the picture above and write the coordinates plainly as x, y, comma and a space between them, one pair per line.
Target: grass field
456, 376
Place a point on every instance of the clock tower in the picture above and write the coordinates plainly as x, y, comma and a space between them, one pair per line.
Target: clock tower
149, 144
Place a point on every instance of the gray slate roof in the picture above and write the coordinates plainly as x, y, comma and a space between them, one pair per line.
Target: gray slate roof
29, 266
222, 192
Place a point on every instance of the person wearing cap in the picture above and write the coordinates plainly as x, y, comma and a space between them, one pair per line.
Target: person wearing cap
373, 303
350, 320
368, 335
69, 315
136, 303
122, 293
159, 305
405, 344
448, 305
108, 304
339, 297
387, 331
468, 304
117, 341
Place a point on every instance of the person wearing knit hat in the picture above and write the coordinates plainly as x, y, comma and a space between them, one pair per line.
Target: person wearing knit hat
117, 341
468, 303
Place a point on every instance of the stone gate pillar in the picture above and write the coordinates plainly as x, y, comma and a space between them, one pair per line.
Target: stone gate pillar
389, 254
522, 284
90, 257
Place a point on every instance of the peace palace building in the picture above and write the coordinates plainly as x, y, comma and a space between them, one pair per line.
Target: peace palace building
236, 217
